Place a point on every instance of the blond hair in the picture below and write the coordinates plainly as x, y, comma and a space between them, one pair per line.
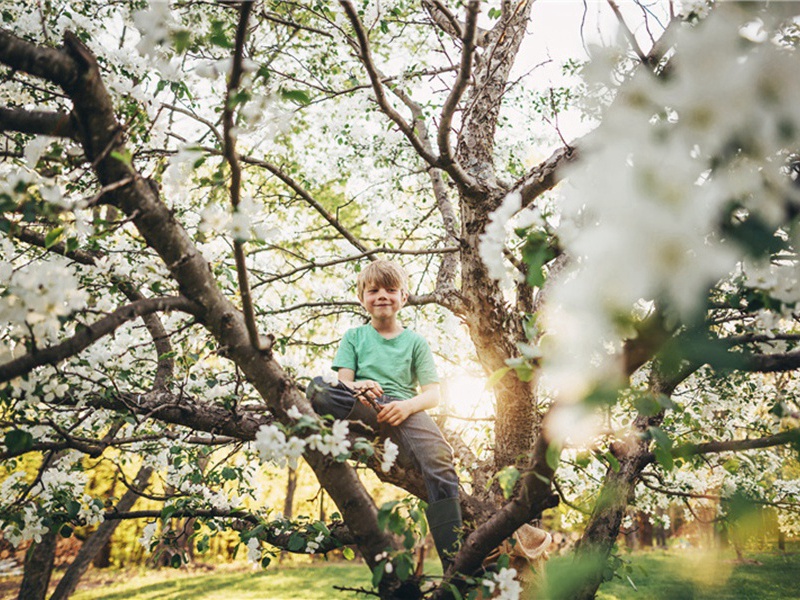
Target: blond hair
383, 273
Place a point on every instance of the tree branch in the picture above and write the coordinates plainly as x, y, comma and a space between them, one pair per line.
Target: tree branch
91, 333
234, 80
38, 122
544, 176
48, 63
447, 159
303, 193
791, 436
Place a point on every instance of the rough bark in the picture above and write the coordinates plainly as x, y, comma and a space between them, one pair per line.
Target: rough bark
98, 540
38, 568
493, 326
617, 491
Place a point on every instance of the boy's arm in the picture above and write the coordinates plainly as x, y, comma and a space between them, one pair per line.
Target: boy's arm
372, 388
396, 412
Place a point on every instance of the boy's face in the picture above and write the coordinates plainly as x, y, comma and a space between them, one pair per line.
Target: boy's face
383, 302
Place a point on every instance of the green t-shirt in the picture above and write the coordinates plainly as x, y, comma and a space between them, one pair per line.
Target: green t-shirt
398, 364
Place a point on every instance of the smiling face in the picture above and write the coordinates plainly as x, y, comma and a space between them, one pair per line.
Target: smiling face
383, 302
382, 289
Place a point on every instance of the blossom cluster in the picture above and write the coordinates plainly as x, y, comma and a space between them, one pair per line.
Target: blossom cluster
665, 176
273, 445
504, 583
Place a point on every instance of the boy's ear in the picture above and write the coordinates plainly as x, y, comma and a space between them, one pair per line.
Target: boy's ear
405, 297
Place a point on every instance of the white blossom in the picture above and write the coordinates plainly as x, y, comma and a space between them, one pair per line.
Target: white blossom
330, 377
253, 550
390, 451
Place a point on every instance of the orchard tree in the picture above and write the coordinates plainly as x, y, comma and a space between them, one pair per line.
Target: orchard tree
187, 185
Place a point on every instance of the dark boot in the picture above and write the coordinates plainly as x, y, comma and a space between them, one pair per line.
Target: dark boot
444, 521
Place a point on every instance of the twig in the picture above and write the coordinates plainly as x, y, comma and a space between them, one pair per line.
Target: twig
236, 179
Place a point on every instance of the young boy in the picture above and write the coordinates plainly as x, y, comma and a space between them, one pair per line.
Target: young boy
383, 362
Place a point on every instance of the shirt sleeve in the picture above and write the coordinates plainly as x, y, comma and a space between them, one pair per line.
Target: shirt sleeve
424, 367
346, 357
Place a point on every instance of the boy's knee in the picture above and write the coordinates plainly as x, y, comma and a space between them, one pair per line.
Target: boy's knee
315, 392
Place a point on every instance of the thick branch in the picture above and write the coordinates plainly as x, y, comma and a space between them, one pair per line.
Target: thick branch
340, 534
90, 334
545, 175
792, 436
38, 122
771, 363
47, 63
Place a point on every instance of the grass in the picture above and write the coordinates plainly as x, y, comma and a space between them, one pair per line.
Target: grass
287, 583
657, 575
692, 575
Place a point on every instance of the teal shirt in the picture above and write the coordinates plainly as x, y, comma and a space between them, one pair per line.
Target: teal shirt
398, 364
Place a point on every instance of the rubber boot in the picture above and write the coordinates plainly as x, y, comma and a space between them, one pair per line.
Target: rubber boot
444, 521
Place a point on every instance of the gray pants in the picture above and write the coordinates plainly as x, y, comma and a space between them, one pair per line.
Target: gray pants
418, 437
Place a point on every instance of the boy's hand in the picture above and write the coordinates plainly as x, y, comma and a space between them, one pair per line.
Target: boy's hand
368, 390
395, 413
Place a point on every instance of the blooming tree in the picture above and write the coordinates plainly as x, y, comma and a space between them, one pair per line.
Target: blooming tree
187, 185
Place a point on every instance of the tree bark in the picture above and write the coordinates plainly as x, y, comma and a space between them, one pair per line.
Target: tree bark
38, 568
98, 540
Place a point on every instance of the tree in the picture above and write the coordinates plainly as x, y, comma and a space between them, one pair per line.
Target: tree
669, 268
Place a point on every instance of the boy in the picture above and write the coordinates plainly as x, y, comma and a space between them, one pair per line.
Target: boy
382, 362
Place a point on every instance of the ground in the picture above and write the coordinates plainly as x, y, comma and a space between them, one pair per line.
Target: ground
657, 575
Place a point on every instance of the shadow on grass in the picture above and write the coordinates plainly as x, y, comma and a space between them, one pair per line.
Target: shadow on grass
310, 583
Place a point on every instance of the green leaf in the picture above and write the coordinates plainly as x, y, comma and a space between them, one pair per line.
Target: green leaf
53, 236
298, 96
663, 447
507, 478
496, 377
65, 531
377, 573
664, 457
123, 157
181, 39
218, 35
229, 474
403, 566
553, 455
176, 561
168, 511
646, 405
265, 562
612, 461
348, 553
18, 441
73, 508
296, 542
454, 590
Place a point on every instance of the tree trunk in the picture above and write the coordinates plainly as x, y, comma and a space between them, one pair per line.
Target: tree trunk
98, 540
38, 568
291, 488
102, 559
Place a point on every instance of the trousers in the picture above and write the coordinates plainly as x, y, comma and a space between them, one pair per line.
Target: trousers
418, 437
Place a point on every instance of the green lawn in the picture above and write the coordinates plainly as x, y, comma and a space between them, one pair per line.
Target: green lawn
284, 583
674, 575
690, 575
